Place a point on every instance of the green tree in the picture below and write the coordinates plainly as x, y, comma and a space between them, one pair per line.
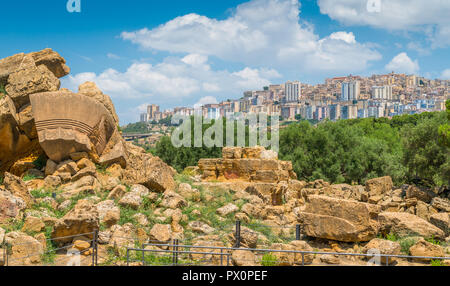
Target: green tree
426, 159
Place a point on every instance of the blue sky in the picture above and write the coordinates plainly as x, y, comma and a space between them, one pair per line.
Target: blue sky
182, 53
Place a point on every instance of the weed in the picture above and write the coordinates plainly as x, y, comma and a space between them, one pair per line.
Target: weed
437, 262
392, 237
12, 225
102, 169
30, 177
406, 243
433, 240
184, 178
269, 259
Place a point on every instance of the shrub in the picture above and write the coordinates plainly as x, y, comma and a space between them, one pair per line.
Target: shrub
406, 244
437, 262
269, 259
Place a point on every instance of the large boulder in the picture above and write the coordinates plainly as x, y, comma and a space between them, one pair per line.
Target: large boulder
122, 237
249, 238
291, 259
379, 186
253, 164
23, 83
160, 233
52, 60
147, 170
420, 193
383, 246
17, 187
441, 204
82, 220
243, 258
427, 249
108, 212
405, 224
25, 250
442, 221
173, 200
13, 142
10, 205
90, 89
14, 63
337, 219
68, 123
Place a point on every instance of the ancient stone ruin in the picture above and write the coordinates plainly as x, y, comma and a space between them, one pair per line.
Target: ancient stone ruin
252, 164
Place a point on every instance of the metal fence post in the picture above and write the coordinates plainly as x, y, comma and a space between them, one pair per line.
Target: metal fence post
128, 257
175, 252
297, 232
143, 254
94, 248
238, 234
7, 253
4, 252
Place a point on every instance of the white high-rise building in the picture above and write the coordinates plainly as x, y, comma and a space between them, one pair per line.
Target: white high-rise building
382, 92
292, 91
350, 91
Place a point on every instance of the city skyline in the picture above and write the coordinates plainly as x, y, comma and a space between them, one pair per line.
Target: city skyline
337, 98
191, 53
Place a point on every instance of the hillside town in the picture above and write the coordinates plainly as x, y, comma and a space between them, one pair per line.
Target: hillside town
337, 98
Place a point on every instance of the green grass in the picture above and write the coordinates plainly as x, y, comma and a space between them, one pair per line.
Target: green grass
437, 262
146, 208
29, 177
433, 241
406, 243
269, 259
2, 91
102, 169
265, 230
13, 225
392, 237
183, 178
48, 257
1, 180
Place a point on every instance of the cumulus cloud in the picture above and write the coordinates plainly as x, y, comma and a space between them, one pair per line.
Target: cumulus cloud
174, 78
205, 100
255, 37
430, 17
344, 36
401, 63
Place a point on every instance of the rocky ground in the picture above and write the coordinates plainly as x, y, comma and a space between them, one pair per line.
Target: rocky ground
67, 176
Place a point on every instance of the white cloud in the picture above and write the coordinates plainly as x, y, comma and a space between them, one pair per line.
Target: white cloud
446, 74
174, 78
401, 63
415, 46
205, 100
113, 56
344, 36
260, 33
430, 17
